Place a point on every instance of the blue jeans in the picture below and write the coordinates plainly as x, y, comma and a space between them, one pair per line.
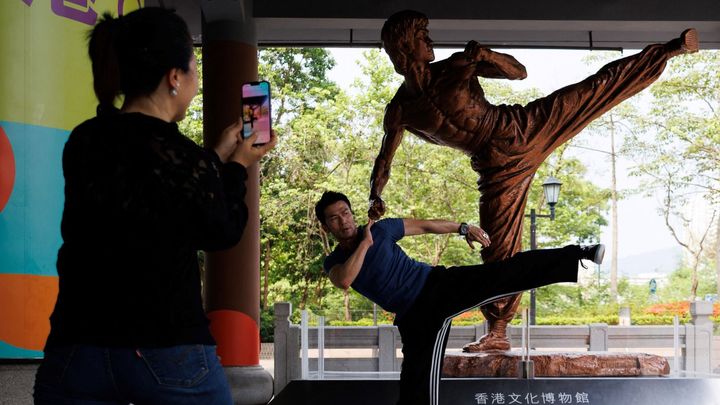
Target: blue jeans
85, 375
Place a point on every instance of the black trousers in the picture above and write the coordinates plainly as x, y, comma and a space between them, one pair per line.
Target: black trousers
451, 291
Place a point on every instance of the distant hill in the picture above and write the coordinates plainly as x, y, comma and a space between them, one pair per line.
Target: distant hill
656, 264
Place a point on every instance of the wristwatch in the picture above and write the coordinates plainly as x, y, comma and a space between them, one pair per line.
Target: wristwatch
463, 230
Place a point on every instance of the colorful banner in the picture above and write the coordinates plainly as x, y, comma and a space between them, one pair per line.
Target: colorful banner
45, 91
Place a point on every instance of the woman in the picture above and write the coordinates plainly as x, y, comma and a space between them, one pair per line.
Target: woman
140, 201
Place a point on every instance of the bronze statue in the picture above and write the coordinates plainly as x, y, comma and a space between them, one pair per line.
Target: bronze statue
444, 104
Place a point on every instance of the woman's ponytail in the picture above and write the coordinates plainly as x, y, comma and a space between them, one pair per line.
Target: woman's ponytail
104, 57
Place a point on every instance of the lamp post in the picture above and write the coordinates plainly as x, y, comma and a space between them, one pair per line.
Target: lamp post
551, 189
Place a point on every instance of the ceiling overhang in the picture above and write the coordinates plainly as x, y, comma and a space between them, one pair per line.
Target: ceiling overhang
585, 24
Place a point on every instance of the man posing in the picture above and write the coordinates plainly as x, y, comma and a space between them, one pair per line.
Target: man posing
424, 298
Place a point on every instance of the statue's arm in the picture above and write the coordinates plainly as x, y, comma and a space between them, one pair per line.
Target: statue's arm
381, 170
494, 65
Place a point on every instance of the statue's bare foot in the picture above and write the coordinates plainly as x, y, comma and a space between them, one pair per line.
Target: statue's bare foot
690, 42
687, 43
489, 342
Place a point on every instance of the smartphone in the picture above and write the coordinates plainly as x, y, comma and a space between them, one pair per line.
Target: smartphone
256, 110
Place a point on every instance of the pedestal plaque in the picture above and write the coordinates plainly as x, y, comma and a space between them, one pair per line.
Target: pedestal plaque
492, 391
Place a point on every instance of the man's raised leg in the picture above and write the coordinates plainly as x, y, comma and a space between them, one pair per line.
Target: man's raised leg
466, 287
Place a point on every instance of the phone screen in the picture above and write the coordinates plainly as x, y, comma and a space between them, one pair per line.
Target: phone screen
256, 110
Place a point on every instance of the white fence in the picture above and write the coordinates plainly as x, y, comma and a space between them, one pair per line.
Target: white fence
689, 347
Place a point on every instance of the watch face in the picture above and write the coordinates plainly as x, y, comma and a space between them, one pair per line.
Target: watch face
463, 229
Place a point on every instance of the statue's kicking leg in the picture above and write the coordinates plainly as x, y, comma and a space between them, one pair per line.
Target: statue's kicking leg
524, 136
548, 122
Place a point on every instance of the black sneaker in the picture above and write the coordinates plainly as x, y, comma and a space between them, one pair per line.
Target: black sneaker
594, 253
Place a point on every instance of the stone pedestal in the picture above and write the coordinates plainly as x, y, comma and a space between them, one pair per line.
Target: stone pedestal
549, 364
250, 385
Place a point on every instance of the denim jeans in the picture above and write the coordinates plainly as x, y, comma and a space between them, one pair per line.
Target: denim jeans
84, 375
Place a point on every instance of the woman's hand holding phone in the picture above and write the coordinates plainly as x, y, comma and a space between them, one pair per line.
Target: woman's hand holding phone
232, 146
246, 154
228, 141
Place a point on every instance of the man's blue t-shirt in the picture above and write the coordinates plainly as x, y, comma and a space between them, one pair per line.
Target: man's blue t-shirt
388, 276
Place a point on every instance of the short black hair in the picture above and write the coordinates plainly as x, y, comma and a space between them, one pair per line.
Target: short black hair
329, 198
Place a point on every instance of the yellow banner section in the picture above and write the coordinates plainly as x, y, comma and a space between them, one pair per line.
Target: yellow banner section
45, 76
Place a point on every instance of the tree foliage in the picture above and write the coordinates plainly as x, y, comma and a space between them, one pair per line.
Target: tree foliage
192, 125
678, 156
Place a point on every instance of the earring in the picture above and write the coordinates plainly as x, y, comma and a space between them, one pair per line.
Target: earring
173, 92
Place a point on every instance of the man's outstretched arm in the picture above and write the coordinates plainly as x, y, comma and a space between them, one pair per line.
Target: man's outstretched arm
441, 226
494, 65
381, 170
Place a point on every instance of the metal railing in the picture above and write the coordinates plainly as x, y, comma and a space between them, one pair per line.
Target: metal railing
687, 347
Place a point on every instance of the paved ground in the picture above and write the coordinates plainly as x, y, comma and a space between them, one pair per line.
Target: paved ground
16, 383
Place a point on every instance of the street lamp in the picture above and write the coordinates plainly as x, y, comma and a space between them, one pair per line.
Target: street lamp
551, 189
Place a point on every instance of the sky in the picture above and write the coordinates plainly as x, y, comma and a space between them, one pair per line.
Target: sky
641, 227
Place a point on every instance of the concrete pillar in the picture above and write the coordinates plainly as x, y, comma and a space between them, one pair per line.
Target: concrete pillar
700, 312
282, 329
599, 341
233, 277
386, 348
624, 317
699, 338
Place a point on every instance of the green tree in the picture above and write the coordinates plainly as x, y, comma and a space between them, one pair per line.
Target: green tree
298, 78
678, 152
306, 118
192, 125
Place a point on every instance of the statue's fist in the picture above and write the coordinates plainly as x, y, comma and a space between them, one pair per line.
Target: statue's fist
475, 52
470, 47
377, 208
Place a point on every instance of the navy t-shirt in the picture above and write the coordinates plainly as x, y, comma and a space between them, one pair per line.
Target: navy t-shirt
388, 276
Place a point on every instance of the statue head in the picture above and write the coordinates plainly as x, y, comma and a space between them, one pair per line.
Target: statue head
401, 36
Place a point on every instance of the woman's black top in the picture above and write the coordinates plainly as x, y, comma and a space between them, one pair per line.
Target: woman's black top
140, 201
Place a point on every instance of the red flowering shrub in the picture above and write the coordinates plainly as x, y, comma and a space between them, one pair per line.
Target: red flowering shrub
469, 318
680, 308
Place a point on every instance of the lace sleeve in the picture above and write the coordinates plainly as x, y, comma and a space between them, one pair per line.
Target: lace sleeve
210, 194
